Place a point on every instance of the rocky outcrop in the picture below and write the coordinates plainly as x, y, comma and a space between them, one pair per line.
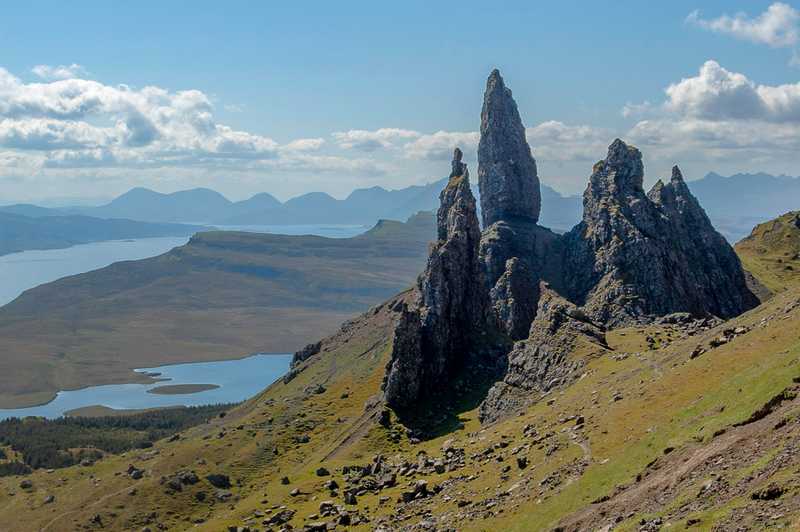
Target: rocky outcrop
514, 250
437, 333
514, 298
515, 255
507, 176
636, 256
633, 258
549, 357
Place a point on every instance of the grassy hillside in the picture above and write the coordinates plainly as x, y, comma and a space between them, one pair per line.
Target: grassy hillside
669, 428
650, 435
772, 251
223, 295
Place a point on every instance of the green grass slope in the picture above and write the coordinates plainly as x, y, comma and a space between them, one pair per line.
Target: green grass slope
647, 435
667, 429
772, 251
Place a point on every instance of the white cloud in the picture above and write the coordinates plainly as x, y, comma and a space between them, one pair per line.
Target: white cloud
364, 140
554, 141
77, 123
439, 146
59, 72
778, 26
716, 139
304, 145
719, 94
723, 119
47, 134
632, 110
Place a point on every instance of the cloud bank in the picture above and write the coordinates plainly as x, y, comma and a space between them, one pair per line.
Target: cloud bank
778, 26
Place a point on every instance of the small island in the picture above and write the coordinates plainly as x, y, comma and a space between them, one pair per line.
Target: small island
180, 389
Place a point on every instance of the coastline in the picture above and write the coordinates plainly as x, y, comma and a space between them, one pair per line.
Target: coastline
145, 376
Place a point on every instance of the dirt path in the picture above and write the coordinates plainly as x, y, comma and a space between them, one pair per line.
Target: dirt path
99, 501
670, 472
359, 430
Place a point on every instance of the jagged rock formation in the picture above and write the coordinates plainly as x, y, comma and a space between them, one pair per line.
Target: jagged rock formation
637, 256
515, 255
633, 258
514, 298
507, 175
437, 334
547, 358
515, 251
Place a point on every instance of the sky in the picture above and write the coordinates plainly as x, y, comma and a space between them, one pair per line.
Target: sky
288, 98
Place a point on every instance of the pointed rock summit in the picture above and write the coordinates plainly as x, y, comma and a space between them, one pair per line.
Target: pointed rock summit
518, 301
515, 251
438, 333
637, 256
507, 176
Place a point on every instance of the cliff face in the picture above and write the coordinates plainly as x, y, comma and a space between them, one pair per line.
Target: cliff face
507, 175
437, 334
633, 258
515, 251
636, 256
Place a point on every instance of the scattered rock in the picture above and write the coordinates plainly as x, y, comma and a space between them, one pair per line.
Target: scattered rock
219, 480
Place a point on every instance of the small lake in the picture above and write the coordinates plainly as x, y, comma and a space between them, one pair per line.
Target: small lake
237, 380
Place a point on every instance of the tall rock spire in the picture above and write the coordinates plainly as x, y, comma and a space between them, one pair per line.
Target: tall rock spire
507, 175
438, 333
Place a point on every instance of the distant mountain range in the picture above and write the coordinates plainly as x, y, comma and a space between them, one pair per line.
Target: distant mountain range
735, 204
19, 232
363, 207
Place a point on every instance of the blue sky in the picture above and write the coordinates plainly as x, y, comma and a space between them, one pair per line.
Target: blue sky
282, 87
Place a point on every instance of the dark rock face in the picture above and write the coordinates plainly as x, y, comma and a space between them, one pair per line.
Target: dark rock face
435, 334
307, 352
514, 250
545, 359
514, 298
507, 176
635, 257
515, 256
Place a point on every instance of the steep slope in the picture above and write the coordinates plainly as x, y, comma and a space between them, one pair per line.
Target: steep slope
648, 435
772, 251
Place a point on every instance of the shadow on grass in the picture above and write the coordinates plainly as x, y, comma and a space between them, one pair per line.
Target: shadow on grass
441, 414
